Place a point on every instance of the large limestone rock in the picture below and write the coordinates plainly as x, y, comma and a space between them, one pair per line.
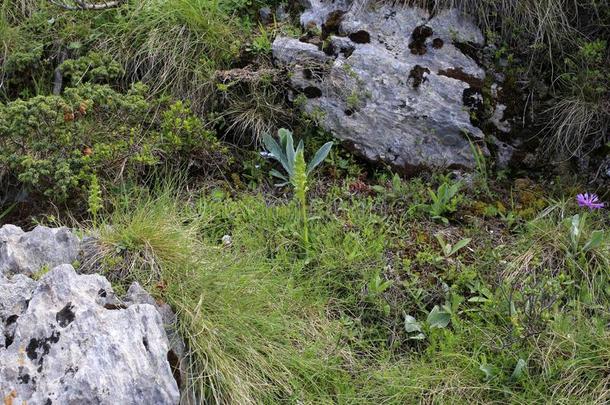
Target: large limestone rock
28, 252
67, 341
391, 83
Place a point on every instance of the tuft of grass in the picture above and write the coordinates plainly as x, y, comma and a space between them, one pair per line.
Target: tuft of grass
572, 124
175, 45
556, 244
254, 335
252, 103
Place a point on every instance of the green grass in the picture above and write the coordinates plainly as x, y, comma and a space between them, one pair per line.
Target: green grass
257, 336
265, 326
175, 45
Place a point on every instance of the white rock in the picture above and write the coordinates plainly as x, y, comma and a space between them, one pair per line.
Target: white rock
72, 346
28, 252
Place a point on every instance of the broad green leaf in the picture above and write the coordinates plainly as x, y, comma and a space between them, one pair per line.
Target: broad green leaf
575, 229
461, 244
488, 370
597, 237
411, 324
438, 318
290, 153
272, 146
396, 182
319, 156
277, 174
441, 241
283, 133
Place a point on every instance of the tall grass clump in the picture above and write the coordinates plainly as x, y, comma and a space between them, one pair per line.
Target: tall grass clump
175, 45
254, 336
251, 104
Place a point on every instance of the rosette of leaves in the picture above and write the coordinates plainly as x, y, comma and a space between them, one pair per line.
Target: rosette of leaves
297, 171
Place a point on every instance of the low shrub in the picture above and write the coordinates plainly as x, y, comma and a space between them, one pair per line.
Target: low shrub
53, 145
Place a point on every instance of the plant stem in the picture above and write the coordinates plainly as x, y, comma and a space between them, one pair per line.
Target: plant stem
305, 225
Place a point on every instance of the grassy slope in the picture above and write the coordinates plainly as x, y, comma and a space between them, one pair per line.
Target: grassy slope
265, 326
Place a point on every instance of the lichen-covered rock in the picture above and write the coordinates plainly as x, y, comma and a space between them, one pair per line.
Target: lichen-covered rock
72, 344
392, 82
292, 51
28, 252
15, 295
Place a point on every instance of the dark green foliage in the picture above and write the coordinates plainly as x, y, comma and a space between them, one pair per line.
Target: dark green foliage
53, 144
95, 67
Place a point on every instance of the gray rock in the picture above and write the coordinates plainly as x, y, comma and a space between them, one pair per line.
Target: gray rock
281, 14
290, 51
454, 25
499, 120
265, 15
504, 153
70, 346
317, 11
28, 252
402, 95
15, 294
177, 348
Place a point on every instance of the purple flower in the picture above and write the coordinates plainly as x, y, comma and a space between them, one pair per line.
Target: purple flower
590, 201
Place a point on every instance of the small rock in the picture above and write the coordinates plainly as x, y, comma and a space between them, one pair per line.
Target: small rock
498, 119
227, 241
288, 51
281, 14
265, 15
317, 11
504, 153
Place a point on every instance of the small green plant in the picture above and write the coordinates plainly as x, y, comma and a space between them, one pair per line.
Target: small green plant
261, 44
397, 189
95, 67
449, 249
444, 201
579, 243
293, 162
439, 317
353, 100
94, 201
41, 272
481, 167
378, 285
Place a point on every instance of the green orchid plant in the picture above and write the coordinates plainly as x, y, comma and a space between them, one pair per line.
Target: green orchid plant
297, 172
